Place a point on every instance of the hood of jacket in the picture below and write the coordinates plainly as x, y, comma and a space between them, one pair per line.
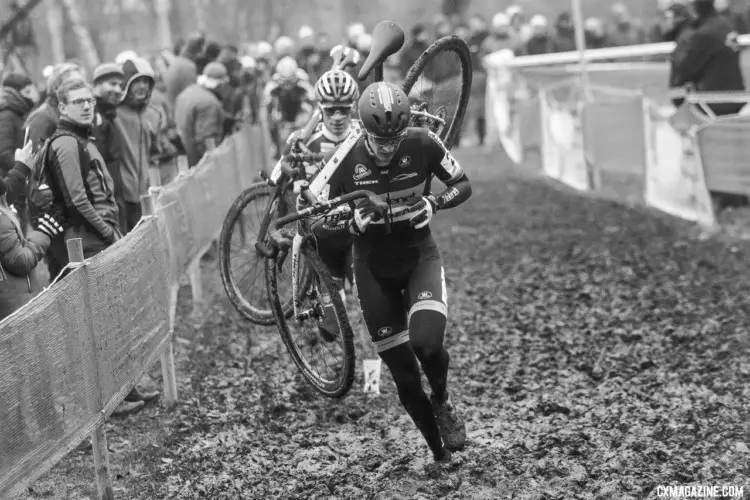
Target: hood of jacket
11, 99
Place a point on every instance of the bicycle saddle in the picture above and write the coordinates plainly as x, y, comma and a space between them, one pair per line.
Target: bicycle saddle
387, 39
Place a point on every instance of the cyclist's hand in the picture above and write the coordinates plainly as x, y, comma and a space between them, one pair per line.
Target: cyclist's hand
360, 222
423, 210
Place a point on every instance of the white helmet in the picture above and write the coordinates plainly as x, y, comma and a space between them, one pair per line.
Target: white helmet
283, 46
287, 68
263, 50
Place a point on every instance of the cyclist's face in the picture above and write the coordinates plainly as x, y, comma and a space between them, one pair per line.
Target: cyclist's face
384, 149
337, 118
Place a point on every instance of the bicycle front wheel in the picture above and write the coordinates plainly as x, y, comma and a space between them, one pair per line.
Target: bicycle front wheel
439, 83
240, 265
326, 361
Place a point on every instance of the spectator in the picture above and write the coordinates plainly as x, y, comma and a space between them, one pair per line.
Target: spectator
476, 107
232, 97
658, 31
711, 61
595, 34
42, 122
169, 141
677, 27
210, 54
417, 43
479, 31
564, 39
308, 56
183, 72
18, 96
442, 28
353, 31
19, 255
501, 35
521, 30
734, 18
15, 181
139, 126
108, 92
626, 30
199, 112
284, 47
540, 41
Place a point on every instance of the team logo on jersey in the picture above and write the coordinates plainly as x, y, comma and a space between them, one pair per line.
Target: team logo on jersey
424, 295
403, 177
360, 172
385, 331
327, 147
405, 161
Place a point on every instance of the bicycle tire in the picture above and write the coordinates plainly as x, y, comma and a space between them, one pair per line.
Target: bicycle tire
259, 313
342, 383
457, 46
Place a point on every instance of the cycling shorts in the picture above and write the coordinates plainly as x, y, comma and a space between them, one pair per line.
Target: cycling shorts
392, 285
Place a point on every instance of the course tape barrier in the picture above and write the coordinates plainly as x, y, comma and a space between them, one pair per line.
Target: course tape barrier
617, 127
70, 356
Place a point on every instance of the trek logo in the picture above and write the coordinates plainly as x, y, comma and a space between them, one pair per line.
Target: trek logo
365, 183
403, 177
405, 161
360, 172
385, 331
424, 295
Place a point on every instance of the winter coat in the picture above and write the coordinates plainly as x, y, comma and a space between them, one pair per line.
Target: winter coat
181, 74
109, 142
537, 44
19, 257
13, 110
140, 148
199, 116
90, 207
711, 62
624, 34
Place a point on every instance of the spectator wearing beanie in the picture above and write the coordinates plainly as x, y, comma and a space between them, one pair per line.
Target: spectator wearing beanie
139, 125
183, 71
18, 96
199, 113
108, 92
42, 122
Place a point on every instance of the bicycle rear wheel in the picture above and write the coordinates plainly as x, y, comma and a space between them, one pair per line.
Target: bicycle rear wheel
328, 365
439, 82
240, 265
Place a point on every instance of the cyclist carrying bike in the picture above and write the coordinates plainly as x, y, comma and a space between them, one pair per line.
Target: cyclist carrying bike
336, 92
398, 162
288, 99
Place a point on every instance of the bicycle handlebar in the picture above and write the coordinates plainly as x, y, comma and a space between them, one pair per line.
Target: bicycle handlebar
278, 240
304, 157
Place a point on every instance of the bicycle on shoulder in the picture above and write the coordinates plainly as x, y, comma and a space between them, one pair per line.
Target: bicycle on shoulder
307, 343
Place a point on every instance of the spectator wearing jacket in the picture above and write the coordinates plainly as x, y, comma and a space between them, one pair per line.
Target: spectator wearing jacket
108, 92
726, 10
210, 54
625, 30
595, 34
169, 141
18, 96
677, 27
199, 112
42, 122
711, 61
183, 71
139, 126
564, 38
417, 43
539, 42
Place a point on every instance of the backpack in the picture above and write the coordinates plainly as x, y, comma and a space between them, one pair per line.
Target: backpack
40, 174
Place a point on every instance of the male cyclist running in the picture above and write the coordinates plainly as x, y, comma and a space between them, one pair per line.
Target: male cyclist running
336, 92
288, 98
398, 162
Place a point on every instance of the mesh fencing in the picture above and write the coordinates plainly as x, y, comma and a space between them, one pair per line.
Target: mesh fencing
69, 357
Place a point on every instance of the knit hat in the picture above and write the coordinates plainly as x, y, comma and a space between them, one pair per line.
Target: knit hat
214, 74
107, 69
136, 68
17, 81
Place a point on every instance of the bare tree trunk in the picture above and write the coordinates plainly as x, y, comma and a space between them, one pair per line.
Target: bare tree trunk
84, 38
55, 25
165, 31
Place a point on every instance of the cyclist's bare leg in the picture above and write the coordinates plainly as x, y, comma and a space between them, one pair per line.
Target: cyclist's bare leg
402, 363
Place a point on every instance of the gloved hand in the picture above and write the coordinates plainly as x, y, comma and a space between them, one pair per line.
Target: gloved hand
364, 214
423, 210
49, 225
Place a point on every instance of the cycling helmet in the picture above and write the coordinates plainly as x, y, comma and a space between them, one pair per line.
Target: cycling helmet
286, 69
336, 87
384, 110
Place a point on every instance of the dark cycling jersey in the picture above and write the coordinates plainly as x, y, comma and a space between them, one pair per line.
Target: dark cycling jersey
401, 271
288, 100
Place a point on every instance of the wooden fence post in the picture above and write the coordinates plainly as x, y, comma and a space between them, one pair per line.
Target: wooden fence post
168, 372
99, 435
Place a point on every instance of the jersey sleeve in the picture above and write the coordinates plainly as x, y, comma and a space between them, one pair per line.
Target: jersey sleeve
440, 161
